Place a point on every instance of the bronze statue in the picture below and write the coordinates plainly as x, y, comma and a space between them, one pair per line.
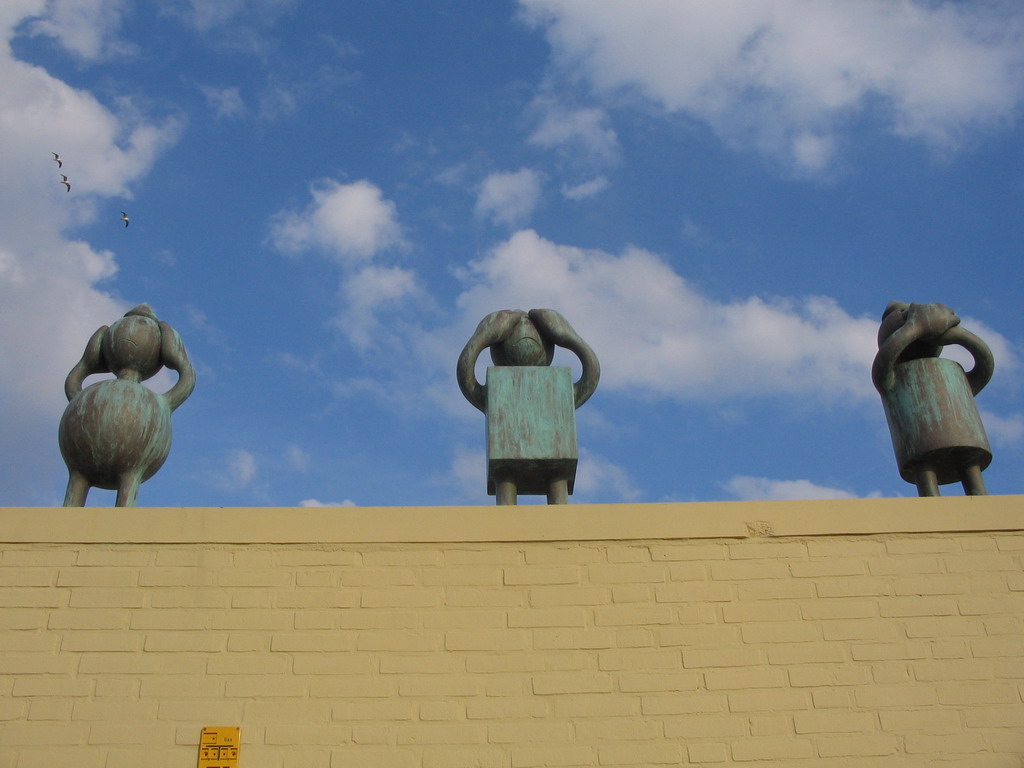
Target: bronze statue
116, 433
529, 406
936, 430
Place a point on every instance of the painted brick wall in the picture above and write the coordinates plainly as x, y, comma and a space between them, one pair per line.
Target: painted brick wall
900, 648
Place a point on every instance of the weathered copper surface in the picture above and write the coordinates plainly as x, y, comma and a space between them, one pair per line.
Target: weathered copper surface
937, 433
116, 433
530, 407
531, 428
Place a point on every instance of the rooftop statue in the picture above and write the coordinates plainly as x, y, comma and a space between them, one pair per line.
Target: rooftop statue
529, 405
116, 433
936, 429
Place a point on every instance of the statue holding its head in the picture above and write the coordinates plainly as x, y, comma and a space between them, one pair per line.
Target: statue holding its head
116, 433
934, 423
529, 405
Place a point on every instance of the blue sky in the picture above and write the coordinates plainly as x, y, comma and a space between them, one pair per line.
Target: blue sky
326, 198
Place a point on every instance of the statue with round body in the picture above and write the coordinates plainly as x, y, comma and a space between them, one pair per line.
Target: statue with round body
116, 433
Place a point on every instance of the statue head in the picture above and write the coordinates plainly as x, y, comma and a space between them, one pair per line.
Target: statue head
132, 344
523, 345
926, 322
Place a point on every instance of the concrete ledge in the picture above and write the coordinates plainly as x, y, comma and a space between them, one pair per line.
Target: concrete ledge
572, 522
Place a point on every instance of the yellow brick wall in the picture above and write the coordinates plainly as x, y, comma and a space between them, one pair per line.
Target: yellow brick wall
729, 634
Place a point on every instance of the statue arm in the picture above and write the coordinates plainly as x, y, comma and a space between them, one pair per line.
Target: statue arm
883, 369
173, 355
555, 327
91, 362
491, 330
984, 362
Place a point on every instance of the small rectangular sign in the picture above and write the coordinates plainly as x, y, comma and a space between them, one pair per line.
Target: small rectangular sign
218, 746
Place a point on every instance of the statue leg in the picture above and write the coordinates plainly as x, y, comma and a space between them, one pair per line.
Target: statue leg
558, 491
927, 482
972, 481
505, 492
127, 490
78, 489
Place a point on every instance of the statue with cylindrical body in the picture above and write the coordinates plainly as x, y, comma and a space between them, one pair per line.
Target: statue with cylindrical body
530, 407
116, 433
934, 423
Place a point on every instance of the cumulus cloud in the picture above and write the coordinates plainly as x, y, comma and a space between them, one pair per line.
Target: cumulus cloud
353, 225
748, 488
348, 222
657, 333
509, 198
784, 74
53, 287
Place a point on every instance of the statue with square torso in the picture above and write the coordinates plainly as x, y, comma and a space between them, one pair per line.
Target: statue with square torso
529, 405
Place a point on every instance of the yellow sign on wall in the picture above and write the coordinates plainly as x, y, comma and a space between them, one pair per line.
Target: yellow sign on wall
218, 746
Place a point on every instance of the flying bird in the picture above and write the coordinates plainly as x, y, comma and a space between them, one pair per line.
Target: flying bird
57, 160
65, 182
124, 218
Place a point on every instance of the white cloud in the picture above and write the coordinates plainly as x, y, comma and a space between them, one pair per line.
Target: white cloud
586, 189
296, 458
468, 473
349, 222
1003, 430
317, 503
237, 21
241, 470
1003, 351
225, 102
365, 293
584, 131
51, 284
85, 28
748, 488
509, 198
278, 100
784, 74
354, 225
653, 331
598, 480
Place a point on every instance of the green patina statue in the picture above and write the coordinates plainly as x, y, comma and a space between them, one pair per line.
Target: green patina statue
936, 429
529, 406
116, 433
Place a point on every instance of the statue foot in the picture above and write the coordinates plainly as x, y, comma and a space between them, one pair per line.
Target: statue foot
927, 482
505, 493
972, 481
78, 489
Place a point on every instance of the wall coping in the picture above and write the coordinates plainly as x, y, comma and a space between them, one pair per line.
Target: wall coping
469, 524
